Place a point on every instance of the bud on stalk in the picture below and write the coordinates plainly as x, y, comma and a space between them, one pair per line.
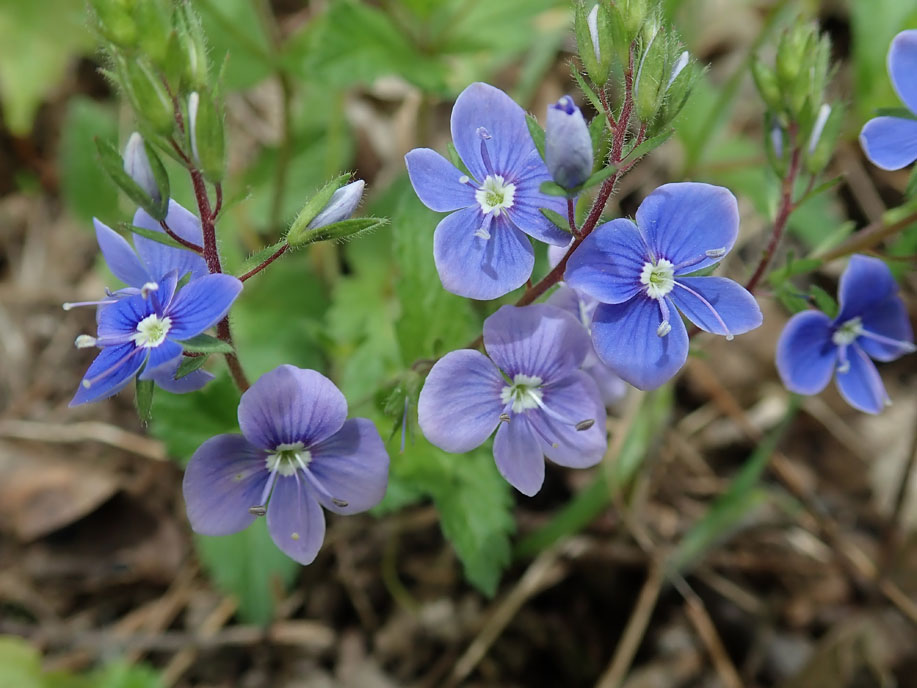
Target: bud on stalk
568, 145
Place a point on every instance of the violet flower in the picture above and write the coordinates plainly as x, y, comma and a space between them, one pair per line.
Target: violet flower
891, 142
872, 324
640, 274
482, 251
531, 387
147, 329
297, 453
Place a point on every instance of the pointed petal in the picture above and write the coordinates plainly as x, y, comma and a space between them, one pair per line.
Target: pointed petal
805, 354
459, 405
166, 354
351, 466
575, 397
861, 385
202, 304
684, 220
736, 307
181, 221
890, 142
119, 256
478, 268
482, 106
888, 319
528, 199
902, 67
539, 340
161, 259
113, 383
436, 181
224, 477
625, 338
289, 405
581, 306
518, 455
864, 285
295, 519
608, 264
165, 378
121, 318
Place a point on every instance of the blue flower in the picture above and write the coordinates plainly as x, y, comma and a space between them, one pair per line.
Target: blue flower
639, 274
297, 453
481, 251
891, 142
146, 330
567, 144
872, 324
531, 387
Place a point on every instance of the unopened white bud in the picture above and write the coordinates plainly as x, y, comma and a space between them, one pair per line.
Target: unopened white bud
341, 205
592, 21
137, 166
194, 101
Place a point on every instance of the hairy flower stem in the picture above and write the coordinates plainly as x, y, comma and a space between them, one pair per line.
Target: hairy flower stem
274, 256
184, 242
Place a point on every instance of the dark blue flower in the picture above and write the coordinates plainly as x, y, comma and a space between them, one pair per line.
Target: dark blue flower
639, 274
531, 387
297, 453
872, 324
481, 251
891, 142
146, 330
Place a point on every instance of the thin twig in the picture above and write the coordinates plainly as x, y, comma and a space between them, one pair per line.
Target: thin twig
274, 256
77, 433
706, 629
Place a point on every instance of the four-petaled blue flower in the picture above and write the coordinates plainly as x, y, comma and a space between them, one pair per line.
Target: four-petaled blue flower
531, 387
482, 251
872, 323
146, 330
639, 274
891, 142
297, 453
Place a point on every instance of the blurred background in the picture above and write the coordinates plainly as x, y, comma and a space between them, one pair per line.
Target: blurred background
733, 537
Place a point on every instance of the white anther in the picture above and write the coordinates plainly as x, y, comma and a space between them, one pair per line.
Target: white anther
715, 252
85, 341
663, 329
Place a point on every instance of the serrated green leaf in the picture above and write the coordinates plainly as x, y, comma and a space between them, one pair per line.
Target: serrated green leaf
536, 132
143, 398
205, 344
823, 300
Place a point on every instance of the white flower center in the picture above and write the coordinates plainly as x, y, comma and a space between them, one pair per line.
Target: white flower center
848, 331
658, 278
152, 331
288, 458
523, 393
495, 195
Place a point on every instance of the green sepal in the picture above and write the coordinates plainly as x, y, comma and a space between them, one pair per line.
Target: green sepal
791, 299
820, 189
143, 399
113, 164
598, 178
817, 160
259, 257
456, 160
911, 189
152, 103
650, 78
586, 88
823, 300
205, 344
554, 189
312, 208
154, 18
766, 80
189, 364
345, 229
556, 219
600, 142
899, 112
192, 46
536, 132
649, 145
209, 137
792, 268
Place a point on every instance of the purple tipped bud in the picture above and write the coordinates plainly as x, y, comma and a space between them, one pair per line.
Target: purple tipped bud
137, 166
341, 206
568, 146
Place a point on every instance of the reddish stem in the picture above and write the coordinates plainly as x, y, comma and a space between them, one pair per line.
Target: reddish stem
607, 108
219, 202
571, 217
184, 242
274, 256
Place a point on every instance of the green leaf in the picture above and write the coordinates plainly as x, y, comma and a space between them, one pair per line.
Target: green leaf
791, 299
339, 231
821, 188
598, 177
899, 112
823, 300
249, 566
649, 145
536, 132
126, 229
144, 400
793, 268
113, 164
731, 508
586, 88
86, 188
205, 344
189, 364
256, 259
556, 219
553, 189
456, 160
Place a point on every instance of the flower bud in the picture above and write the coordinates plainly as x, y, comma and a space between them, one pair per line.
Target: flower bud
205, 131
567, 146
823, 139
137, 166
775, 145
634, 13
766, 82
593, 39
341, 206
148, 95
648, 85
192, 45
154, 16
592, 21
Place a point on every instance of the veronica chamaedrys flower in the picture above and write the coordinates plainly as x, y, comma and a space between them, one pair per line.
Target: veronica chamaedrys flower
872, 324
482, 251
297, 453
891, 142
531, 387
640, 273
567, 144
146, 330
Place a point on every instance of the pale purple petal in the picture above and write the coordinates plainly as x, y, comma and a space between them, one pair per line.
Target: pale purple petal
902, 67
528, 199
202, 303
518, 455
861, 385
557, 253
865, 284
166, 354
482, 109
349, 470
120, 257
459, 405
123, 362
181, 221
537, 340
608, 264
159, 258
681, 222
574, 397
437, 182
806, 355
289, 405
224, 478
165, 377
625, 338
295, 519
477, 267
890, 142
737, 309
889, 320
